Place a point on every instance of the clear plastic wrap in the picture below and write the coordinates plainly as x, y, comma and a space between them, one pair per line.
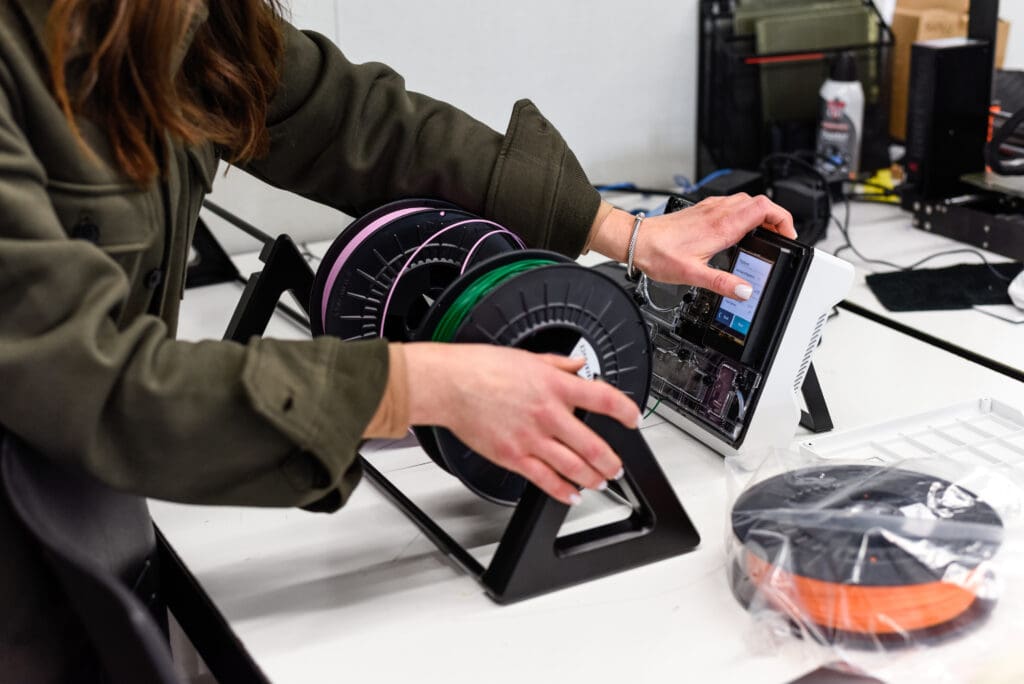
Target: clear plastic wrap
909, 569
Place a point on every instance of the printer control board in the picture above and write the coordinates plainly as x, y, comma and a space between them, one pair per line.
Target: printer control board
711, 354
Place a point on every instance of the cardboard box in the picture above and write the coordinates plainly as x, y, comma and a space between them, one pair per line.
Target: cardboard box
917, 20
958, 6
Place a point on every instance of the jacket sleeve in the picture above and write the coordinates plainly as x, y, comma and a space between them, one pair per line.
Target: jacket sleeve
269, 423
352, 137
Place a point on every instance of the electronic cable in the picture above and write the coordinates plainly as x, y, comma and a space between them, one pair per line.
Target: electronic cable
651, 410
786, 159
687, 187
844, 229
683, 183
632, 187
642, 288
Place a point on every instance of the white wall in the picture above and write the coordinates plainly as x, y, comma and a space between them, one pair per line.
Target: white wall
617, 79
1013, 11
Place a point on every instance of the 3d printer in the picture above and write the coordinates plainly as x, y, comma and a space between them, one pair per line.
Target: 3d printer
730, 372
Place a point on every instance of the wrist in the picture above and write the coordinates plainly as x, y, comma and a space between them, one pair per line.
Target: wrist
391, 419
430, 382
612, 236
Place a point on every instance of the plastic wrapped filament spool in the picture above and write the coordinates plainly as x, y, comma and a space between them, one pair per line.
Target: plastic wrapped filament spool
381, 274
865, 555
541, 302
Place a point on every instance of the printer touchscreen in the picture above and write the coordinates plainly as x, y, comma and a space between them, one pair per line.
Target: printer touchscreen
734, 317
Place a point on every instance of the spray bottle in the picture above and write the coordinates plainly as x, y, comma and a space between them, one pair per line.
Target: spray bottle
842, 117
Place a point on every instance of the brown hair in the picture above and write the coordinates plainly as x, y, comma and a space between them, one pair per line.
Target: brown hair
132, 85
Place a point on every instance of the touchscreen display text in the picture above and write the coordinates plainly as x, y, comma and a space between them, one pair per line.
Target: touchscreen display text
735, 316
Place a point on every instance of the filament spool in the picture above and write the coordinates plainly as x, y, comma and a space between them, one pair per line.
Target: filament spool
865, 555
380, 275
426, 270
558, 308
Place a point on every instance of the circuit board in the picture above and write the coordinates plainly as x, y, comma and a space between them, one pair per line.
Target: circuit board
692, 378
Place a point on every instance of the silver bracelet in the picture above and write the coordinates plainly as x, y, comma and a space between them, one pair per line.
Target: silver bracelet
631, 273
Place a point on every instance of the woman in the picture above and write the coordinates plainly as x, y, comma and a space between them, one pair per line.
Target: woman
113, 115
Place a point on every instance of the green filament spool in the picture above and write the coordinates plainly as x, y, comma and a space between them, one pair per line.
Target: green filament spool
480, 288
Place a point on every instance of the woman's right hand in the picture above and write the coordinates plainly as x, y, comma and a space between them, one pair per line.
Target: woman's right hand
515, 408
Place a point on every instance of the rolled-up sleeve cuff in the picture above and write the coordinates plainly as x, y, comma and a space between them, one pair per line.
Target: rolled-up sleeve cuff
538, 187
320, 395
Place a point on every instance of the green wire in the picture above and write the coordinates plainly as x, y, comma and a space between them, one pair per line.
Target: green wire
479, 289
652, 410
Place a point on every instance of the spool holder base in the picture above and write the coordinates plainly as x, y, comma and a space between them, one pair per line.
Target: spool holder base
531, 559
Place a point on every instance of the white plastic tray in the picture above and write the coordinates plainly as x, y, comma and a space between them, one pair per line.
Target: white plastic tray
984, 429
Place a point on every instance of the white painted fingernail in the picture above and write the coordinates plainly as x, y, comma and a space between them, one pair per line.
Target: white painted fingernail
618, 475
639, 418
575, 500
743, 292
601, 487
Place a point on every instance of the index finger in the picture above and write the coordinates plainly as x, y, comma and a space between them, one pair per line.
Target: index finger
761, 211
598, 396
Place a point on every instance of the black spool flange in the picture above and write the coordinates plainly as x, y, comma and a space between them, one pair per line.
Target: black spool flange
365, 282
548, 310
331, 257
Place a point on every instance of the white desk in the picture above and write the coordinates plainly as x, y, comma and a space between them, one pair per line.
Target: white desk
881, 231
362, 596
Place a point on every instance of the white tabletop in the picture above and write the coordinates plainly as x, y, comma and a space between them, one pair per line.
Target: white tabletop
884, 232
361, 595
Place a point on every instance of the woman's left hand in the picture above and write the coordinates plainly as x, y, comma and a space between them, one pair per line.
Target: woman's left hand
676, 247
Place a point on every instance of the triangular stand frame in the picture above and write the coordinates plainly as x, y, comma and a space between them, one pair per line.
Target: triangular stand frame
816, 418
211, 265
531, 559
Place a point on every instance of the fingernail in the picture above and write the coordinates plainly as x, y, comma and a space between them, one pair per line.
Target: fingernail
601, 487
743, 292
575, 500
639, 418
620, 474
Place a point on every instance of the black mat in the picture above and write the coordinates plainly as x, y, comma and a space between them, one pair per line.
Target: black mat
956, 287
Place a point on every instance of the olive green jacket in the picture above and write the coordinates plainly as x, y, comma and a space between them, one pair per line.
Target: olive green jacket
92, 271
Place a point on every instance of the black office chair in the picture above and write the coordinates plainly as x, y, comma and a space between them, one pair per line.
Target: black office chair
102, 549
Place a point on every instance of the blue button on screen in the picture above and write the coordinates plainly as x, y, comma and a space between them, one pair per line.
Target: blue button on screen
740, 325
724, 317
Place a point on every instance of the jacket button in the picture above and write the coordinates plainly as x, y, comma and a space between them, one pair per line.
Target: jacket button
154, 278
87, 230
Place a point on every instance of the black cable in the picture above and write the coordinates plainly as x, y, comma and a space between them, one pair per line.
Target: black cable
801, 160
844, 229
808, 166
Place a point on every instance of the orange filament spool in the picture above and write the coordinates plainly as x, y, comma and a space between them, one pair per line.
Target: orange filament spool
863, 553
861, 609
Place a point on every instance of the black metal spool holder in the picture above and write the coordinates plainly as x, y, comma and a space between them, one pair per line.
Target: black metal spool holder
531, 559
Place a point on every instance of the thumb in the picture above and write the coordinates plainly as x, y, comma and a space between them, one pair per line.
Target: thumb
723, 283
